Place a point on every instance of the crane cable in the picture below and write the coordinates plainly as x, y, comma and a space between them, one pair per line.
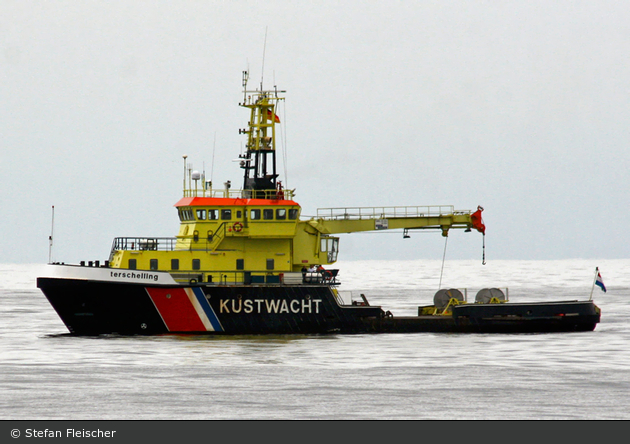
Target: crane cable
443, 258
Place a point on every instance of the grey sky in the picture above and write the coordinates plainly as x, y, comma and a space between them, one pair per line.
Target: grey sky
521, 107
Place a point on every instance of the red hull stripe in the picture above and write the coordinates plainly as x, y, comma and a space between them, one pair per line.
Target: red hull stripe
181, 309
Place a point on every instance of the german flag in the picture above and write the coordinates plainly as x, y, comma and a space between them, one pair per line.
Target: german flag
271, 115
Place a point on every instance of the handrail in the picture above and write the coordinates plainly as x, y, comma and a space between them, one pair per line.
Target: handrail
217, 237
164, 243
240, 194
142, 244
358, 213
248, 277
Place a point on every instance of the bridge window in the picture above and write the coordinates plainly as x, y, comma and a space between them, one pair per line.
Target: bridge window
174, 264
268, 214
196, 264
254, 214
153, 264
185, 214
226, 214
281, 213
201, 214
270, 264
213, 214
293, 214
132, 264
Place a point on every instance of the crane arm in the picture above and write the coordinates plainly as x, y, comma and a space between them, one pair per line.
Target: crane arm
346, 220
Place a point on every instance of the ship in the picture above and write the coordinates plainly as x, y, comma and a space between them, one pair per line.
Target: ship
247, 262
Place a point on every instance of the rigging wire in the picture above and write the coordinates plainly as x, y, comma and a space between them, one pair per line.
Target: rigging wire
443, 259
283, 143
263, 61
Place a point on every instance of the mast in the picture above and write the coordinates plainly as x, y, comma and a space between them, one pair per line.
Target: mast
259, 161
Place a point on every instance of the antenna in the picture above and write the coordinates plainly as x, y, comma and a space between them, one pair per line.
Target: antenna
245, 79
184, 156
214, 146
263, 61
50, 238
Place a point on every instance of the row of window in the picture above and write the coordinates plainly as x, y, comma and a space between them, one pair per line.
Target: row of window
267, 214
196, 264
153, 264
187, 214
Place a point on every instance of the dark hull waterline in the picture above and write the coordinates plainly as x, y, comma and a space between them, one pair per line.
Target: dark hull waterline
89, 307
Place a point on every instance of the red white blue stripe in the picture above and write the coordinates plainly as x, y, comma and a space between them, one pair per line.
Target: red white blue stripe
184, 309
600, 282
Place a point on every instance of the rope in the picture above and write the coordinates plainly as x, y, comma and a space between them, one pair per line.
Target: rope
483, 260
443, 258
283, 143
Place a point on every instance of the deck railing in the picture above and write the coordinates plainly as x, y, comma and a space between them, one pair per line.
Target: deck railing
355, 213
144, 243
329, 277
239, 194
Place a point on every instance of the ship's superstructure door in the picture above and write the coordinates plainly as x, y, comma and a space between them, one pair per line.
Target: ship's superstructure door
330, 245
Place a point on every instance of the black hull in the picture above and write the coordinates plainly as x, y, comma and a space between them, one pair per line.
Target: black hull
96, 307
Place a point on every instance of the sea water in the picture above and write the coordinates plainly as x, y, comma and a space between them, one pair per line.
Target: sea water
46, 374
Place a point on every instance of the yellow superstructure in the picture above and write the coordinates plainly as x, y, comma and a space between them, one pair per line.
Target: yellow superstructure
256, 235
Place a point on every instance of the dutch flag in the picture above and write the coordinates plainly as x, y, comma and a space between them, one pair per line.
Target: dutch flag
600, 282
